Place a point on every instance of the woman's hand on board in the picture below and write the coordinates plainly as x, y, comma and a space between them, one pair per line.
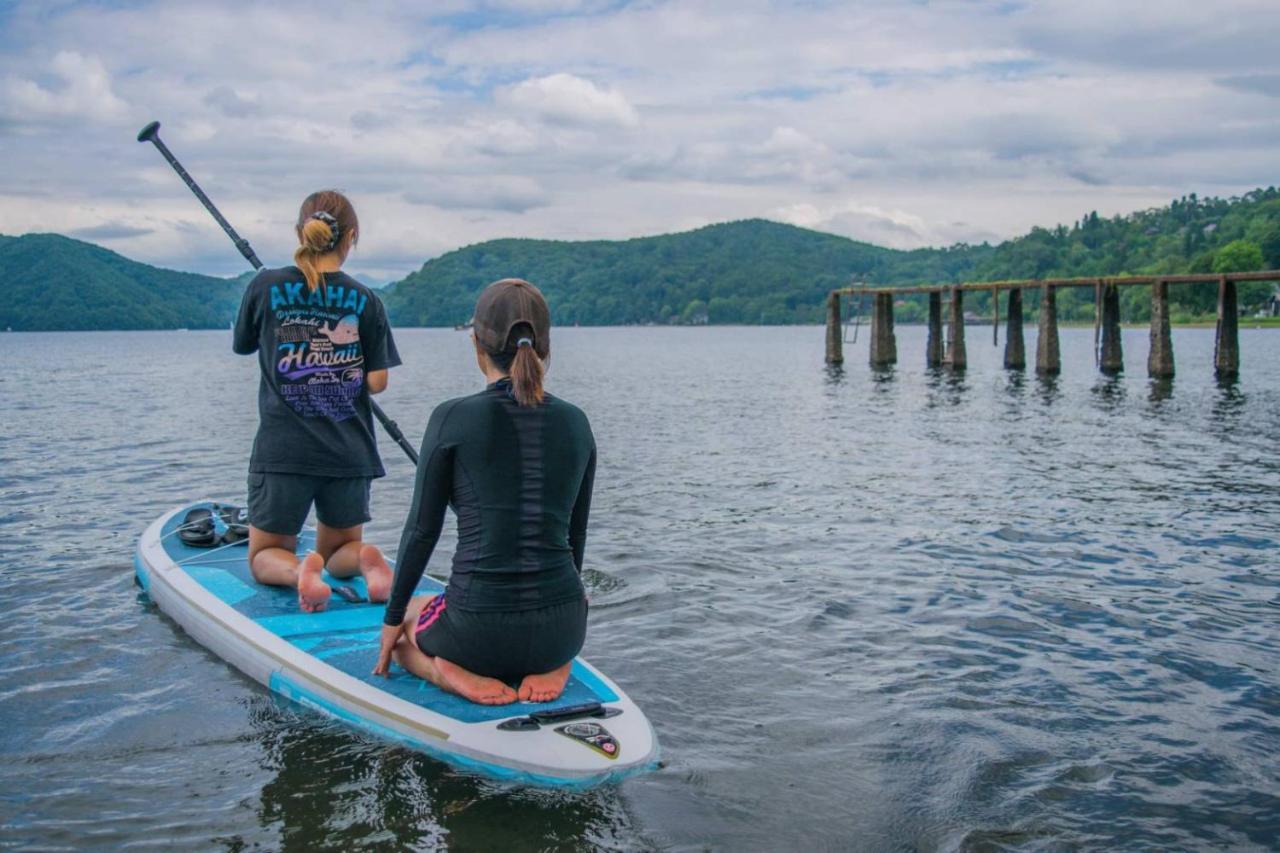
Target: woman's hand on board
390, 636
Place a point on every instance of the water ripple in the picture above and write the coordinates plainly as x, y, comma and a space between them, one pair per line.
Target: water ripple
865, 610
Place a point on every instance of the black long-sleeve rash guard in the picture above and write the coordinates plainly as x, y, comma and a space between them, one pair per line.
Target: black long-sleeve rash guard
519, 479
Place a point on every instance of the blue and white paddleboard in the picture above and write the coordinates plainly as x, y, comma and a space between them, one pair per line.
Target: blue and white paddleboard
592, 734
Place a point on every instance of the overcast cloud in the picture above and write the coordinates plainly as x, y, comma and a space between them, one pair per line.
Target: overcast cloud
904, 124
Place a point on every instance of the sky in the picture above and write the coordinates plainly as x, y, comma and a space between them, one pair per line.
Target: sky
904, 124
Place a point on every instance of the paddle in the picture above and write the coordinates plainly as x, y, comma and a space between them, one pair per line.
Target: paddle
151, 133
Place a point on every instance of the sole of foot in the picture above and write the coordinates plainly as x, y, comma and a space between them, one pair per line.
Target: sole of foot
476, 688
377, 574
313, 593
544, 687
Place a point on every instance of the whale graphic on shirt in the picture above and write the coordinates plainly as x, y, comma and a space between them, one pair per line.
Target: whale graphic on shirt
345, 331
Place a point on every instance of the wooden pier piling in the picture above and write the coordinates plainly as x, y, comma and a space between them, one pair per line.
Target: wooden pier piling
835, 334
949, 349
884, 348
1226, 346
1160, 358
1111, 358
933, 349
956, 358
995, 318
1048, 359
1015, 351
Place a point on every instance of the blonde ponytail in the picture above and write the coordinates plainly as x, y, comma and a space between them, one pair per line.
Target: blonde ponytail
315, 237
326, 223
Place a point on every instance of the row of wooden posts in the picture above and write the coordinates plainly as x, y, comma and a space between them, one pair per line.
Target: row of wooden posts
1110, 355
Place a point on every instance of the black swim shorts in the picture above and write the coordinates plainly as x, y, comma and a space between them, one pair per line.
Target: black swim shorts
279, 503
507, 645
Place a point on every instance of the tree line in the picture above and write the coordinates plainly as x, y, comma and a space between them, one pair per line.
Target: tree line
752, 271
756, 271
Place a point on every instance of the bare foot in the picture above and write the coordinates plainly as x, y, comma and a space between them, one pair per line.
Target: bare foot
313, 593
477, 688
377, 574
546, 686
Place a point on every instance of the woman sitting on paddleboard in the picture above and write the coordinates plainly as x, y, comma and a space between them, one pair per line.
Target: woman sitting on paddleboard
324, 345
517, 466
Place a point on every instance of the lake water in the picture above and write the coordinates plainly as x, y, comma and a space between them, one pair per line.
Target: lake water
864, 611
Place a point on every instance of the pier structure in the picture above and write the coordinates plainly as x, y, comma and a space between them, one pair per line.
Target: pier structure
948, 315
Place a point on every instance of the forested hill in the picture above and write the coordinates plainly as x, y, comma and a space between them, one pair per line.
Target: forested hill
56, 283
763, 272
752, 271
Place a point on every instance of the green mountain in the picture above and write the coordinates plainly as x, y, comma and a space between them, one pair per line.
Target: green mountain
752, 271
57, 283
757, 271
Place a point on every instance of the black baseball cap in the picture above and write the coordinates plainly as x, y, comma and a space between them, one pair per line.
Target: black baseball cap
507, 303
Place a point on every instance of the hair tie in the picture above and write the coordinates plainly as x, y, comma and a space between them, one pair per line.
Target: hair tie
335, 231
524, 342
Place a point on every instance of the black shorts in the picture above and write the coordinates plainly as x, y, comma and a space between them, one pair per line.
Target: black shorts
279, 503
507, 645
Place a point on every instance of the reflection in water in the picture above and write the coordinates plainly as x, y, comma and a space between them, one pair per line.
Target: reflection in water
1160, 389
1109, 392
1229, 388
1229, 404
1015, 385
835, 374
1049, 387
945, 387
334, 784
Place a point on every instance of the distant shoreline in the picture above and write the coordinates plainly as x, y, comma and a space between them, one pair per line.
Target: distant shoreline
1251, 323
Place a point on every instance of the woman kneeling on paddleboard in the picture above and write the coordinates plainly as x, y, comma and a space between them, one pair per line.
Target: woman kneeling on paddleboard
517, 465
324, 345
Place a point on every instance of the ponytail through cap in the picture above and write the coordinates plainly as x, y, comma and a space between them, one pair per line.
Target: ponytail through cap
526, 369
513, 326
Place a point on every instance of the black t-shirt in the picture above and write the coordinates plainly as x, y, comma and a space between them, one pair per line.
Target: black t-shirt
519, 479
314, 348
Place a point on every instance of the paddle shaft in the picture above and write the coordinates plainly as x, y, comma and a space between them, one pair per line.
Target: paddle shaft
151, 133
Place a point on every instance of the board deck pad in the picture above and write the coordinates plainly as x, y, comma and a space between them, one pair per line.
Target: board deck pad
346, 636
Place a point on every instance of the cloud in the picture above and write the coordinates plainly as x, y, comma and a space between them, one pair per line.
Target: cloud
501, 138
1262, 84
231, 103
867, 222
907, 124
78, 87
1176, 36
566, 98
510, 193
108, 231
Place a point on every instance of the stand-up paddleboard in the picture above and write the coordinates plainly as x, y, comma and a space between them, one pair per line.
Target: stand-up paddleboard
592, 734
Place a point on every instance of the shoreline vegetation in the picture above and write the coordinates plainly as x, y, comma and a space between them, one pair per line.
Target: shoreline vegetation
1246, 323
749, 272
